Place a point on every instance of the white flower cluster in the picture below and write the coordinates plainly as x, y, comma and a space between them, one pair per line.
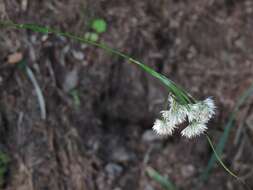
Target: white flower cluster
198, 115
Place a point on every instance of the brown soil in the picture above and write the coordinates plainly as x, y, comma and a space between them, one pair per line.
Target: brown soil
204, 45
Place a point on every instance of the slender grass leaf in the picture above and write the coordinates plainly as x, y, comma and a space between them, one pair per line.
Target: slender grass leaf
181, 95
224, 137
35, 28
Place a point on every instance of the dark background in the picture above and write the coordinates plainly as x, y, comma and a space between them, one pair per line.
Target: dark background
106, 143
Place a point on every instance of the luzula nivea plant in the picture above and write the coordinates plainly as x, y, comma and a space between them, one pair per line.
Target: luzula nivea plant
183, 107
198, 115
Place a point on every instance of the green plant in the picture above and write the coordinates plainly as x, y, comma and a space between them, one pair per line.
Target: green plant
99, 25
91, 36
4, 161
76, 97
182, 103
178, 92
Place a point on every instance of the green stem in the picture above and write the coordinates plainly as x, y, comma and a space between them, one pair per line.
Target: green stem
219, 159
182, 96
223, 165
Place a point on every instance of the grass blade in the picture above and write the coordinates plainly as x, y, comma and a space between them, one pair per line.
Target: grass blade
164, 182
181, 95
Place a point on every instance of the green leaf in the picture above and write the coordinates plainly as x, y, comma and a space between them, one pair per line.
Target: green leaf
22, 65
76, 97
164, 182
178, 92
4, 161
99, 25
4, 158
2, 171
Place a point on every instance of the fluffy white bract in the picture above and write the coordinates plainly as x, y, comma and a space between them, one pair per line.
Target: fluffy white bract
174, 117
161, 127
176, 114
198, 115
202, 111
210, 103
194, 129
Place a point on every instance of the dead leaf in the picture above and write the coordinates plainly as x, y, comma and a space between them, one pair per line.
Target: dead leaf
15, 58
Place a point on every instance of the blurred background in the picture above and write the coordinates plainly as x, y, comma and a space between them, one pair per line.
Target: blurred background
99, 110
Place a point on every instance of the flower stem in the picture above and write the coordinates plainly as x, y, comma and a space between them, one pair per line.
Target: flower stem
223, 165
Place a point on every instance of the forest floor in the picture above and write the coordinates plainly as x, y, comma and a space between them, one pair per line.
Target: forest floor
100, 137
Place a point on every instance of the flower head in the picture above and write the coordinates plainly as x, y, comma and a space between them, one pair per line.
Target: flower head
202, 111
176, 114
161, 127
194, 129
173, 117
198, 115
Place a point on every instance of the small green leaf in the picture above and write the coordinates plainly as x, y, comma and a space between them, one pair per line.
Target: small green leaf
4, 162
99, 25
22, 64
76, 97
91, 36
4, 159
